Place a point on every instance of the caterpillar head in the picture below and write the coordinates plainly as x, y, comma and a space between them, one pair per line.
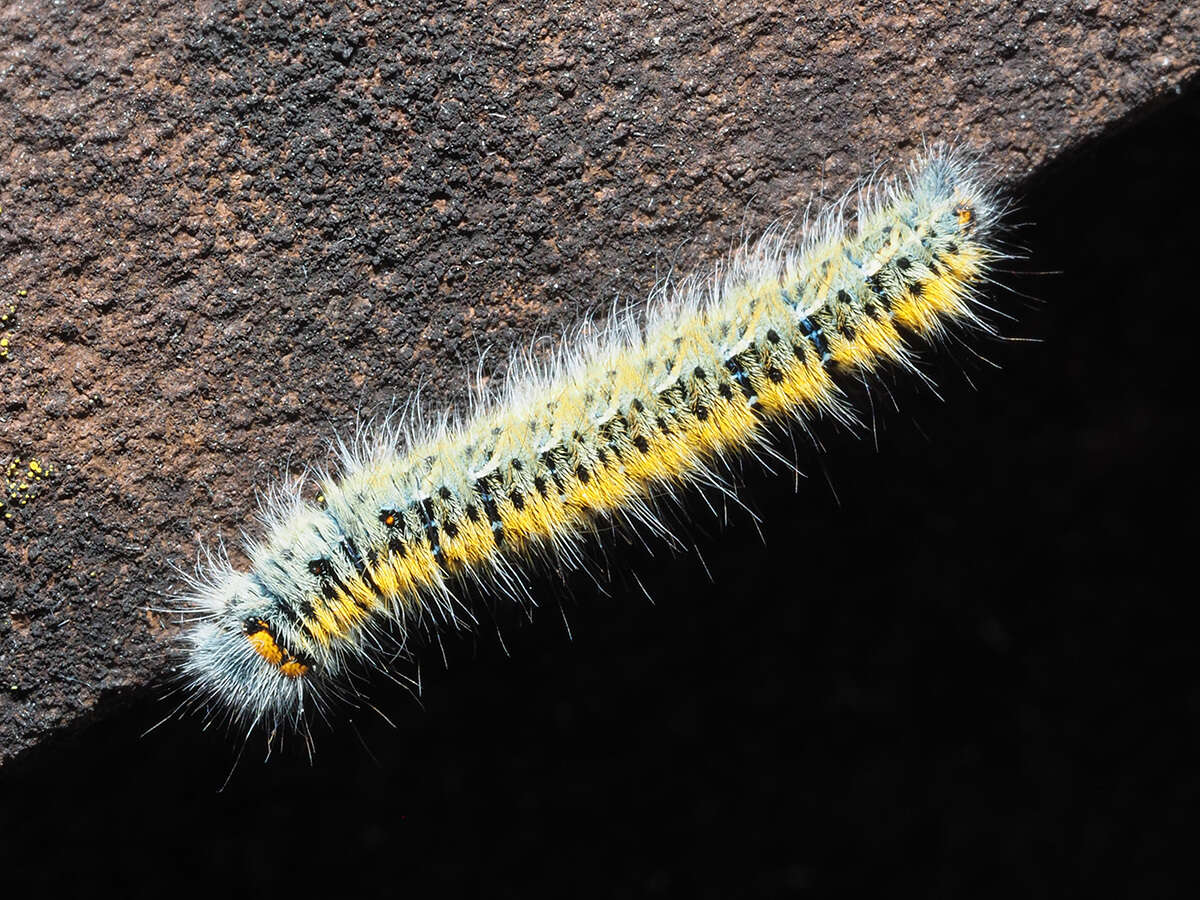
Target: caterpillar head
241, 664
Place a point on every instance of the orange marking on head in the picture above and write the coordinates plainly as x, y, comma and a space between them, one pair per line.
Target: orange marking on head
293, 669
965, 214
265, 646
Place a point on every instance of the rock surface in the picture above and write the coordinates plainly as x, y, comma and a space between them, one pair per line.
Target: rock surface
225, 231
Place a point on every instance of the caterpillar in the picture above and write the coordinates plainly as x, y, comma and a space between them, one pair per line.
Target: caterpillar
621, 417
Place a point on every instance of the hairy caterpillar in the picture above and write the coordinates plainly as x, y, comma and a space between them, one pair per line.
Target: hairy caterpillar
613, 422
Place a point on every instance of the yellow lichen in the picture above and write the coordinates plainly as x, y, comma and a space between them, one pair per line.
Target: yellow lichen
22, 483
8, 313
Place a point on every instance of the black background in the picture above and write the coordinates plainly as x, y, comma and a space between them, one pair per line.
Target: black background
968, 674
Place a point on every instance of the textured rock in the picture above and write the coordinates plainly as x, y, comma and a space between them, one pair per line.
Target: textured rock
226, 232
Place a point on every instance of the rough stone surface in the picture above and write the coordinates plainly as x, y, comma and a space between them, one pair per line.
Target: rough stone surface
228, 229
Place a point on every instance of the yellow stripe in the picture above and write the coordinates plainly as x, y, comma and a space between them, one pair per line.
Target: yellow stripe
730, 424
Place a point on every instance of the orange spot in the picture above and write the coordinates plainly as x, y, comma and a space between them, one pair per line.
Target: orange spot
293, 669
965, 214
264, 645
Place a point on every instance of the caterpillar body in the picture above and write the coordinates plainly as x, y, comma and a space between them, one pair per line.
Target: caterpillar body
620, 417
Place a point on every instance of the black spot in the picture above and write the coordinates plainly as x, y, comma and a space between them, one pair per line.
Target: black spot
601, 455
702, 413
290, 614
876, 286
642, 444
330, 579
872, 310
516, 464
432, 533
800, 353
814, 334
843, 297
772, 336
699, 373
725, 391
444, 493
551, 464
903, 264
395, 545
737, 368
540, 484
637, 405
775, 375
611, 431
583, 474
846, 330
356, 559
254, 626
472, 512
451, 530
517, 498
390, 517
483, 488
